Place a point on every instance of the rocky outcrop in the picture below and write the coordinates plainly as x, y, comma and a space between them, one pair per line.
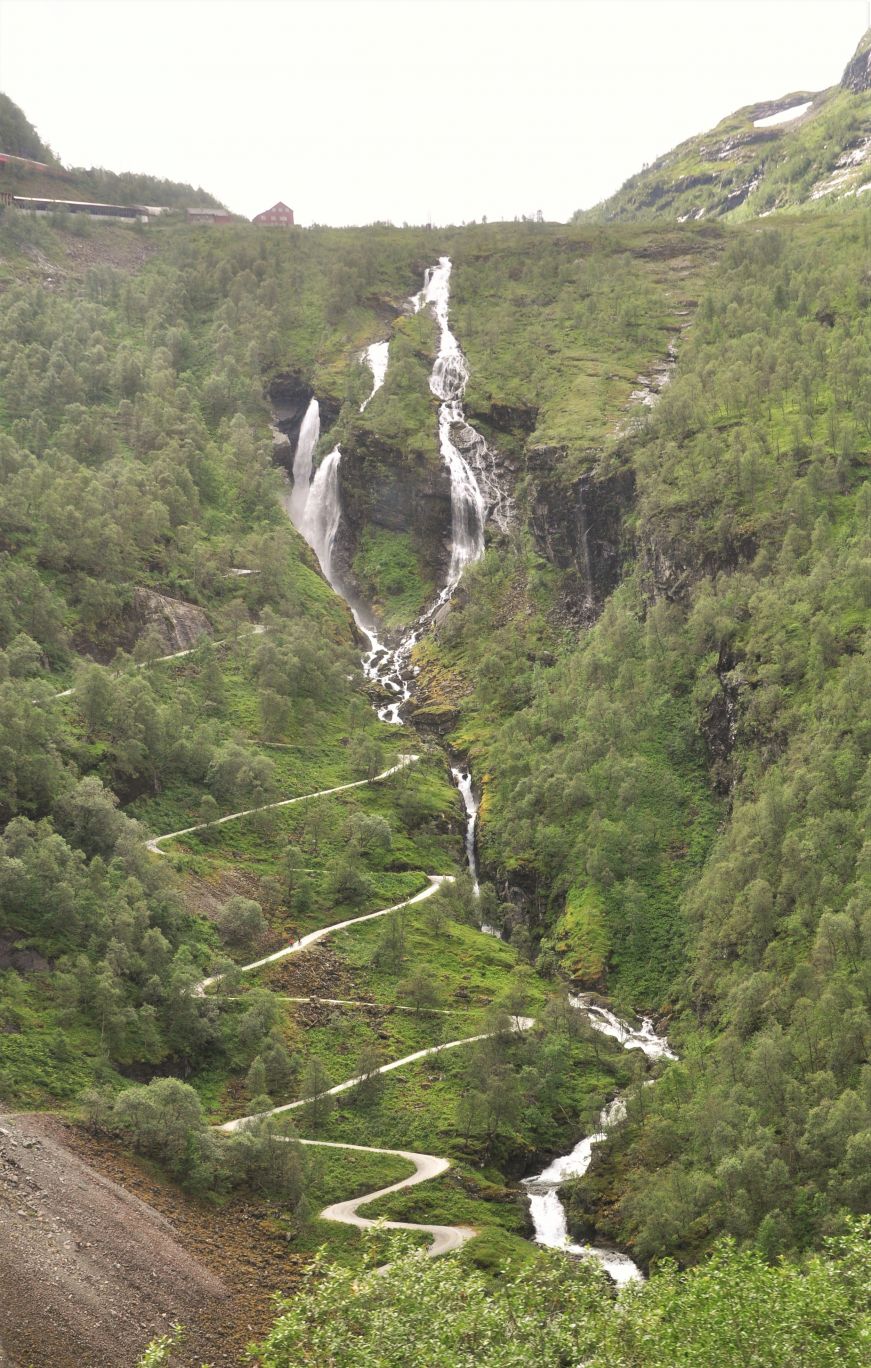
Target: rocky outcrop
579, 526
507, 428
857, 73
289, 396
22, 961
718, 723
179, 625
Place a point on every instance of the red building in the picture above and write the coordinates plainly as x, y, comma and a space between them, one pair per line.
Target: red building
279, 216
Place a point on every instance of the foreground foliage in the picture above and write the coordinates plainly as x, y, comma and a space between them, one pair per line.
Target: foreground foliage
733, 1311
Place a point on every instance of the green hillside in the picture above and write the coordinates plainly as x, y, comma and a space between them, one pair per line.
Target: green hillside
748, 165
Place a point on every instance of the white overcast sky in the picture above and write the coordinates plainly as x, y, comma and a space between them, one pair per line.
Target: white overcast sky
405, 109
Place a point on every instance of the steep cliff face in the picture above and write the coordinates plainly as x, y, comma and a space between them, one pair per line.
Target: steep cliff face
407, 496
579, 527
857, 73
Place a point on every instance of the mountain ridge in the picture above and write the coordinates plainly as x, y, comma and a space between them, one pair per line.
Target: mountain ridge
746, 166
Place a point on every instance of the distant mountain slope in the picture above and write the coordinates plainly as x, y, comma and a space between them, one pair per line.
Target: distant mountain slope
777, 154
18, 138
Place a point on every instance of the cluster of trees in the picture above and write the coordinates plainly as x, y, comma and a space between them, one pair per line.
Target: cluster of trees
734, 1309
164, 1120
18, 137
82, 888
134, 449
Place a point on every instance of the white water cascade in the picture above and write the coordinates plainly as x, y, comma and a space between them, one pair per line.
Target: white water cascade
475, 492
644, 1038
547, 1211
309, 433
375, 356
463, 781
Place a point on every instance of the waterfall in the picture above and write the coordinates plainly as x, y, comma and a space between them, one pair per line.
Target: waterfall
545, 1208
375, 356
474, 491
309, 432
475, 496
463, 781
548, 1213
323, 512
314, 508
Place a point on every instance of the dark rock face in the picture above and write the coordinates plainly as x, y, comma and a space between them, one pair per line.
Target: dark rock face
178, 624
579, 527
719, 722
289, 396
857, 74
381, 487
23, 961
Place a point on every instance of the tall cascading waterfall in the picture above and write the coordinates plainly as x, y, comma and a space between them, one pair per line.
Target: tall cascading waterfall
314, 507
475, 492
476, 495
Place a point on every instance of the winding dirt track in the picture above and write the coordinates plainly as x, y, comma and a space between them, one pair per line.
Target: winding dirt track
426, 1166
156, 841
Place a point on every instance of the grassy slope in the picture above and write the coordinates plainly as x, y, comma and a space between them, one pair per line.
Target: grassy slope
559, 322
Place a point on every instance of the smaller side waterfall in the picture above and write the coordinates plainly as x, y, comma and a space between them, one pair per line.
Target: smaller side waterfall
376, 356
463, 781
306, 442
323, 512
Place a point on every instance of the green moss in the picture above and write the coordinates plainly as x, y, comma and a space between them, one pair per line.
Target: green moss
581, 934
392, 576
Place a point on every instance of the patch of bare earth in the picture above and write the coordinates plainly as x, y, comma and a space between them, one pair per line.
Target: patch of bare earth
319, 972
204, 897
99, 1254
